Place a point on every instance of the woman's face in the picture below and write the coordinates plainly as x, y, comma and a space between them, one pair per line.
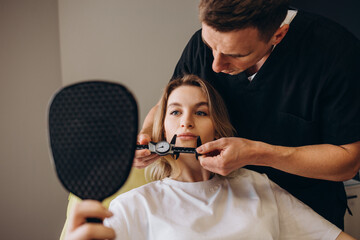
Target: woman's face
188, 116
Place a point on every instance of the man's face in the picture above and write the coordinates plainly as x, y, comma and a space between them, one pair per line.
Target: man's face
236, 51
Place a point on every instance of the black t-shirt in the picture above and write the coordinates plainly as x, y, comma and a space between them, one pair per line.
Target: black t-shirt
307, 92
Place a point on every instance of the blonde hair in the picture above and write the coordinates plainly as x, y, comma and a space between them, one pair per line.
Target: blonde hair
165, 166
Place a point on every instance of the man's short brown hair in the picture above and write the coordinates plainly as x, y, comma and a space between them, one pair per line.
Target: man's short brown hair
229, 15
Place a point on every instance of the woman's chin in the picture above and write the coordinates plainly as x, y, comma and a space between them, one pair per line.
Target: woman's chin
188, 143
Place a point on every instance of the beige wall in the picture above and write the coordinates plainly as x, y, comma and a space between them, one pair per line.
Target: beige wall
32, 201
135, 42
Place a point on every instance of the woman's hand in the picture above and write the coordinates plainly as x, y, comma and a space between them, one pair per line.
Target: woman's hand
144, 158
79, 229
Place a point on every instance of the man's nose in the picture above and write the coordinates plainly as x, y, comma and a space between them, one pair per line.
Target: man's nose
219, 64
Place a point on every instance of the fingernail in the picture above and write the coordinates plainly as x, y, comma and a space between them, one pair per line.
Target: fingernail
199, 149
109, 214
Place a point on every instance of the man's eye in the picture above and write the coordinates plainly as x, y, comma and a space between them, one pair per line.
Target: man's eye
175, 112
236, 56
201, 113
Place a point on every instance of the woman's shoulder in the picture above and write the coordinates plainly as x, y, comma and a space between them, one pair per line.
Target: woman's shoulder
248, 179
137, 194
248, 174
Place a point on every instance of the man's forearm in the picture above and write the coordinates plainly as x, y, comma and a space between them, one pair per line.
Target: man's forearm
324, 161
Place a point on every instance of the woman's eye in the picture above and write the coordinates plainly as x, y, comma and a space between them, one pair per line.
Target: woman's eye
201, 113
175, 112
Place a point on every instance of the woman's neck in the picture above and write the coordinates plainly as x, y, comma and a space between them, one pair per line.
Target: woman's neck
190, 170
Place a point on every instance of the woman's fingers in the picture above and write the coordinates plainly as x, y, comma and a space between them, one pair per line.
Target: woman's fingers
144, 158
90, 209
79, 228
89, 231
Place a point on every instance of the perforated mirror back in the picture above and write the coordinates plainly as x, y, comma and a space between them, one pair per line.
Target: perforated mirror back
93, 128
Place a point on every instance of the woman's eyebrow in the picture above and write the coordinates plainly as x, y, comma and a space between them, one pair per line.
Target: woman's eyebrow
176, 104
202, 104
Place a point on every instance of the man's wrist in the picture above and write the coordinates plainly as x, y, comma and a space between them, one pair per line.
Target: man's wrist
273, 155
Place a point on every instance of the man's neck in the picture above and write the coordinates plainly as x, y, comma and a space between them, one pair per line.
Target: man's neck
254, 69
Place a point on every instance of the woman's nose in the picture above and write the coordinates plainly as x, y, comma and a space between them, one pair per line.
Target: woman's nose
187, 122
187, 125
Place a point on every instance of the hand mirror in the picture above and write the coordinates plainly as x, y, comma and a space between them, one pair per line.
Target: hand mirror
92, 129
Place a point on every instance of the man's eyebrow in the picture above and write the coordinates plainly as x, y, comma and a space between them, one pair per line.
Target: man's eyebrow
229, 54
205, 42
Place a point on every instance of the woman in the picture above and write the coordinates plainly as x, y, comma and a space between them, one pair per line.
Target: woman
185, 201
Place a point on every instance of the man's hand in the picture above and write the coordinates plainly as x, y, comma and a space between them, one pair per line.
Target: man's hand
322, 161
144, 158
225, 155
79, 229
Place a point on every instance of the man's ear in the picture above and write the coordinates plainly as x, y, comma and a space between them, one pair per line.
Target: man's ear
279, 34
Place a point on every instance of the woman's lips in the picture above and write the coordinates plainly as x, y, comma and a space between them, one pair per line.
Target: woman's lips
187, 136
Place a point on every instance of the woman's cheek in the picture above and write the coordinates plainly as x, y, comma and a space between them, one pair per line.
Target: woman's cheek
170, 130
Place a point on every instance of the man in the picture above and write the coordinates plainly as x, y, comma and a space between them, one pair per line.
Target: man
291, 84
